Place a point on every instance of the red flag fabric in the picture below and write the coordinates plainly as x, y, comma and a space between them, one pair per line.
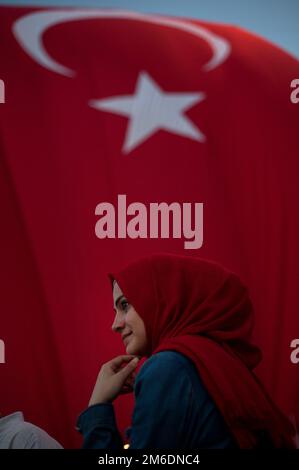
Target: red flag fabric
106, 103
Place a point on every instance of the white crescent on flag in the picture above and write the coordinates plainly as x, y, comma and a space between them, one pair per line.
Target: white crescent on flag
30, 28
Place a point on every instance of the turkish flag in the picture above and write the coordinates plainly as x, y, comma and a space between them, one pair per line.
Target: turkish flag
101, 103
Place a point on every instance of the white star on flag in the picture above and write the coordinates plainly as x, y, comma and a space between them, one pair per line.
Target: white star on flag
151, 109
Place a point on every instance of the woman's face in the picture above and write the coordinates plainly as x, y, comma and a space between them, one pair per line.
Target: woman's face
128, 323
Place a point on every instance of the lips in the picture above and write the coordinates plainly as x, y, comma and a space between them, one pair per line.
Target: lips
125, 336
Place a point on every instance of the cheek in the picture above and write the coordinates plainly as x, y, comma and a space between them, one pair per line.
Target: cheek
140, 335
131, 321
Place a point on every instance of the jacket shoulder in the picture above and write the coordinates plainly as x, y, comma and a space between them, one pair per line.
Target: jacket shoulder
168, 365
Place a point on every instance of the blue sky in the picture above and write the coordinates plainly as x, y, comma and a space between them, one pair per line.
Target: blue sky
277, 20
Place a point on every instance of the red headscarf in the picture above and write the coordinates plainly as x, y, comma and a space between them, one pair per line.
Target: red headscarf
202, 310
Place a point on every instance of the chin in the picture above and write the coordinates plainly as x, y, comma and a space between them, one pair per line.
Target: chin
131, 349
135, 352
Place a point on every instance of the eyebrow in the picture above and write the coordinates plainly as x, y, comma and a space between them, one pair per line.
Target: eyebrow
117, 300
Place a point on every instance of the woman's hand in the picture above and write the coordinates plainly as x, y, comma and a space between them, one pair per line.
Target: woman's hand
113, 379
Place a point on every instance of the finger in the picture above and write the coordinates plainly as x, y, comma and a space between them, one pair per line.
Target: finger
118, 361
126, 371
129, 383
130, 379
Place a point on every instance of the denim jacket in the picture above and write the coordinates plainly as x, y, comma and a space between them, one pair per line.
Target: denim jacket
173, 410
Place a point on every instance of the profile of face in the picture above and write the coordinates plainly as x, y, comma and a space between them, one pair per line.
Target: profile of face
128, 323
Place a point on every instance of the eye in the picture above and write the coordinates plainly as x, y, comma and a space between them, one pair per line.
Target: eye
124, 305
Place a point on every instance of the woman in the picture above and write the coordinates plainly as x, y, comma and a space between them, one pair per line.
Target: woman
192, 319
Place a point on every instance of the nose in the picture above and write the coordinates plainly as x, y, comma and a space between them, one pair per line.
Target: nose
119, 323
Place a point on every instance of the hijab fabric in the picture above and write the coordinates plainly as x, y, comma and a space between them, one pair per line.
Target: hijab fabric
202, 310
